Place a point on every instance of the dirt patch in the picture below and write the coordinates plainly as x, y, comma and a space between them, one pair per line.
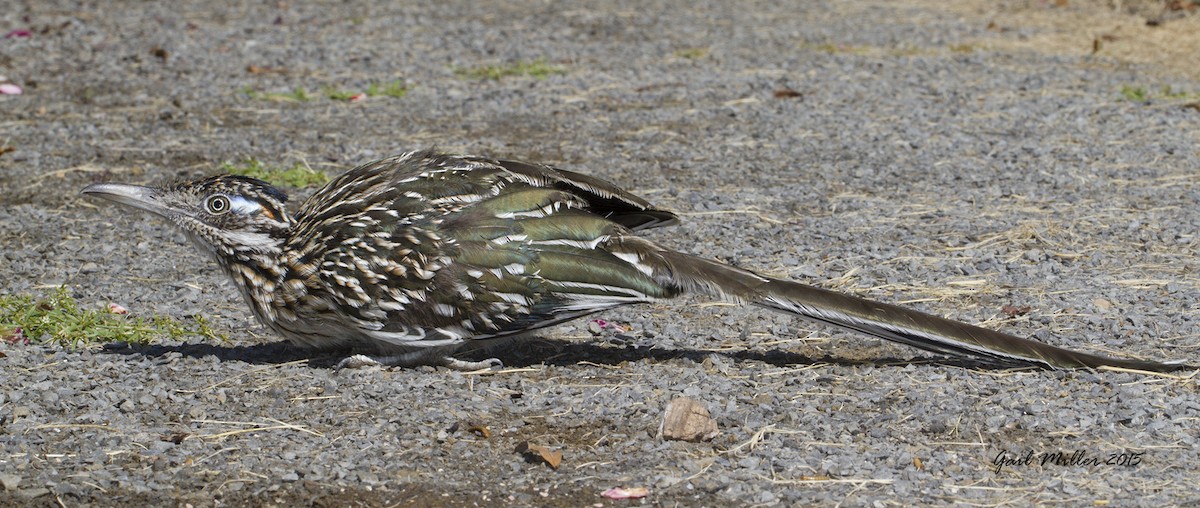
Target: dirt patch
955, 157
1163, 36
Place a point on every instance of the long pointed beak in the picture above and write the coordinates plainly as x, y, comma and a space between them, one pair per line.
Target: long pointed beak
143, 198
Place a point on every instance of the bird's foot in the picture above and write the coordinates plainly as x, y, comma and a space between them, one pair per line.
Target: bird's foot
358, 362
449, 362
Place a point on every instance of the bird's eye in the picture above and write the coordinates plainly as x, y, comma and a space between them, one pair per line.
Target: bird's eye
217, 204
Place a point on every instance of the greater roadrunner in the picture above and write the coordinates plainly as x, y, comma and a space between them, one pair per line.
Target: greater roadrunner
417, 257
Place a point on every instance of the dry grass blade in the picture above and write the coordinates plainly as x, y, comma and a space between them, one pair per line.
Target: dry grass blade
1151, 373
231, 379
490, 372
272, 424
56, 426
757, 438
750, 211
803, 481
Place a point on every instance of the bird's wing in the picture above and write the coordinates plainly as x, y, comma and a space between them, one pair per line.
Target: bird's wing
423, 249
604, 198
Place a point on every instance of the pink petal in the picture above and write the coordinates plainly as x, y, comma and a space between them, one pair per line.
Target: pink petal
358, 97
10, 89
624, 493
117, 309
16, 336
20, 32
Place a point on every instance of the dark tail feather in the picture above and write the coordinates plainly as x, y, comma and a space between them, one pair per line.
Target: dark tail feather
886, 321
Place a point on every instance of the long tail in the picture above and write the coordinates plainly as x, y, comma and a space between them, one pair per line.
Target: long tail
886, 321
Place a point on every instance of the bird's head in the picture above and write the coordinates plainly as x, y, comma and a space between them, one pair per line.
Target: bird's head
227, 215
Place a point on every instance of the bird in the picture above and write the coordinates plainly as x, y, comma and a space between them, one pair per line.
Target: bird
419, 258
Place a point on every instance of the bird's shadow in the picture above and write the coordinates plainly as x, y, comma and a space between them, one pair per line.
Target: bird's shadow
528, 353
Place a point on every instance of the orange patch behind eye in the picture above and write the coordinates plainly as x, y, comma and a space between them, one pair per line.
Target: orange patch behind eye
267, 211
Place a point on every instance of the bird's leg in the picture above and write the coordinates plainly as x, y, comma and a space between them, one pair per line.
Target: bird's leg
417, 358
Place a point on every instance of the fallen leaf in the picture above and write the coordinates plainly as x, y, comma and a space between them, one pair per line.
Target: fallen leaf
254, 69
472, 426
597, 326
685, 419
15, 336
160, 53
1014, 311
176, 437
532, 452
1102, 304
1181, 5
6, 149
787, 93
917, 463
1192, 105
624, 493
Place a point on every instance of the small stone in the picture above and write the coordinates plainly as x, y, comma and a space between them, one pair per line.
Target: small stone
686, 419
9, 481
32, 493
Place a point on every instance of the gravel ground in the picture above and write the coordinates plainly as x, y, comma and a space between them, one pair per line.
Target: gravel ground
938, 158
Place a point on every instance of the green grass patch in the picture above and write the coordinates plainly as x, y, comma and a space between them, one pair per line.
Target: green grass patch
1134, 93
57, 318
336, 94
537, 69
1143, 94
395, 89
299, 94
1175, 94
297, 175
